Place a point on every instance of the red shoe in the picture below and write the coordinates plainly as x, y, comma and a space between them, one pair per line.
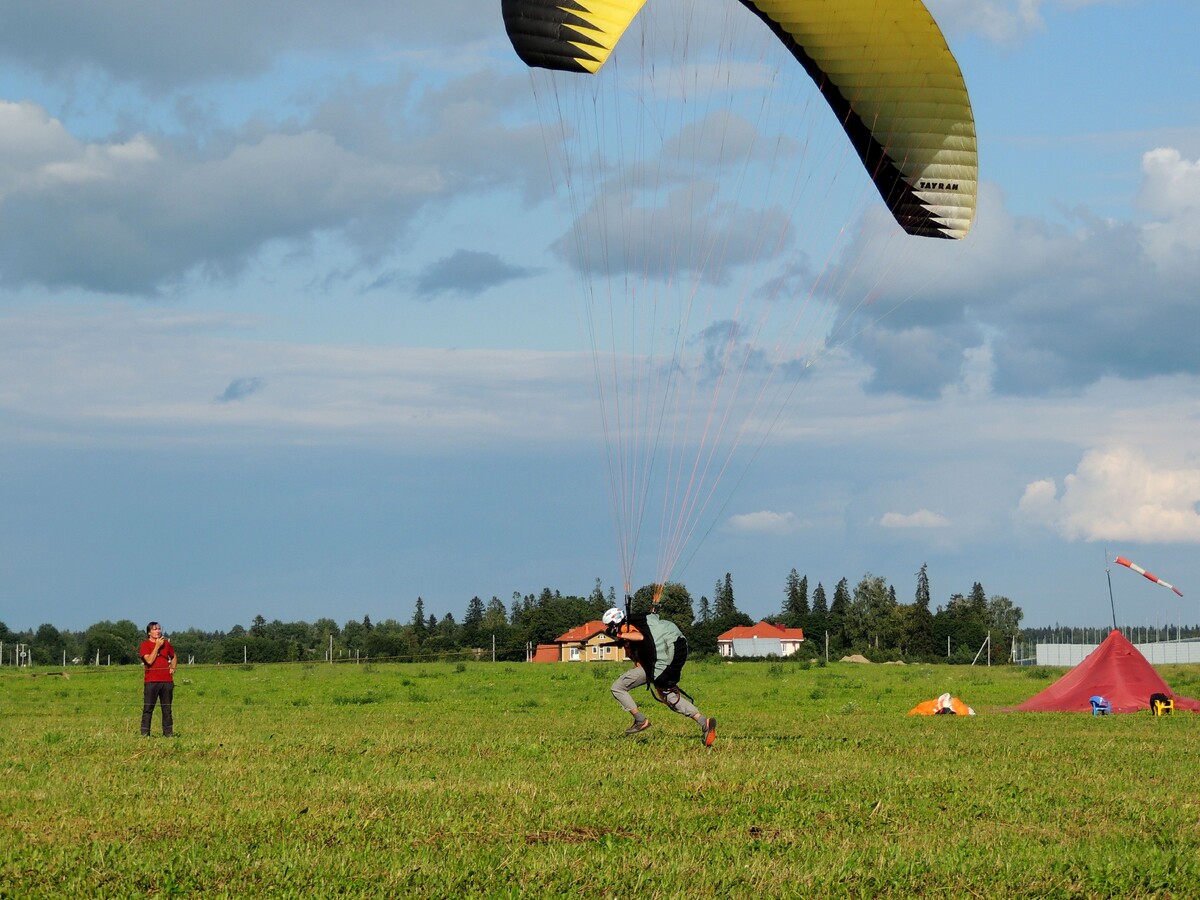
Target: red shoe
710, 732
638, 726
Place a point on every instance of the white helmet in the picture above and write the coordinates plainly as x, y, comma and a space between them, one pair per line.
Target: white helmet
613, 617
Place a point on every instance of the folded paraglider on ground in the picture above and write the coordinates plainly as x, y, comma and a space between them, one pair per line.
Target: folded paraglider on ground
944, 705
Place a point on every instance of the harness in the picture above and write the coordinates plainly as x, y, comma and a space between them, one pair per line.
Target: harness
660, 694
665, 687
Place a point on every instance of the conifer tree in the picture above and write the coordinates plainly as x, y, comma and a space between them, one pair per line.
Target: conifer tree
795, 604
419, 623
919, 641
597, 599
495, 617
471, 635
725, 605
818, 617
838, 610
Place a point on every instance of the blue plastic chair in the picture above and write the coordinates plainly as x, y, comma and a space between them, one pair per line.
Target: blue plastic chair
1101, 707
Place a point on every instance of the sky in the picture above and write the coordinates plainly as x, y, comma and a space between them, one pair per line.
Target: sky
291, 324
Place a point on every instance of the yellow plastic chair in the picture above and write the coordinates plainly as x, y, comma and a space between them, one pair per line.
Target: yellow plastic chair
1161, 705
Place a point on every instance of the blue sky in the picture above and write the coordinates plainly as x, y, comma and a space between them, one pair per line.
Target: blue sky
286, 329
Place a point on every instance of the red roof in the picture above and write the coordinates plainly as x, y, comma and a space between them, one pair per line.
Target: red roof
581, 633
763, 629
1116, 671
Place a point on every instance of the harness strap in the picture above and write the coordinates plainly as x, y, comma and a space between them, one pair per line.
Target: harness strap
659, 693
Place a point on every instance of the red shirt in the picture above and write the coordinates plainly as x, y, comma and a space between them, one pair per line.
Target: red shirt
160, 669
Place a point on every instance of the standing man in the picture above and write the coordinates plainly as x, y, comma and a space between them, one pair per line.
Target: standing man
659, 650
158, 657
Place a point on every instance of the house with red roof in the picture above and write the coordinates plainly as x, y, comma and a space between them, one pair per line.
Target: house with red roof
586, 643
764, 639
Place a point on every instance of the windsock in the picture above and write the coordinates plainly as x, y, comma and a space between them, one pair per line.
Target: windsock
1122, 561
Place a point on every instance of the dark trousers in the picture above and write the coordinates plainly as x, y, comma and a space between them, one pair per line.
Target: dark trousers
159, 692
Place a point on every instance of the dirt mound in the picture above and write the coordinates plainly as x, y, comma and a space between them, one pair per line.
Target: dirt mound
856, 658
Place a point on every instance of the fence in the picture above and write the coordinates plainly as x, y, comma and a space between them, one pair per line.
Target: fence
1156, 652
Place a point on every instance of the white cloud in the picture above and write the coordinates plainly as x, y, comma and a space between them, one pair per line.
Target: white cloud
764, 522
139, 214
1170, 192
1002, 21
1118, 494
38, 153
118, 375
1005, 22
922, 518
155, 44
691, 230
1057, 307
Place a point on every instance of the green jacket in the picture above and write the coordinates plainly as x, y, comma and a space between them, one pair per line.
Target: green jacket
662, 646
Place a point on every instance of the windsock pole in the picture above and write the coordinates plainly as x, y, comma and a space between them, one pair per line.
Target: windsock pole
1108, 575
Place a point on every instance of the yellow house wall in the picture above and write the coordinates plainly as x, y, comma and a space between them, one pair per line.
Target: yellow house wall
591, 651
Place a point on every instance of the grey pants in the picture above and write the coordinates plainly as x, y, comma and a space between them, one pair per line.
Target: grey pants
161, 692
635, 678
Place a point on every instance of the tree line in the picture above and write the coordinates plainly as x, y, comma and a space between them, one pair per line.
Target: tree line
867, 618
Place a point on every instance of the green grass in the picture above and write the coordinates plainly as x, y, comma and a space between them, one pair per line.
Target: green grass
445, 780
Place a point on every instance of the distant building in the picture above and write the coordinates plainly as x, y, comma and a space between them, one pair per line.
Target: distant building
545, 653
763, 639
587, 643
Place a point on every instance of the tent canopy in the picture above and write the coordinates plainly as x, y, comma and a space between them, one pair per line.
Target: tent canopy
1116, 671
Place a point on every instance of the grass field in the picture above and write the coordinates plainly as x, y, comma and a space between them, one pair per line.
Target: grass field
507, 780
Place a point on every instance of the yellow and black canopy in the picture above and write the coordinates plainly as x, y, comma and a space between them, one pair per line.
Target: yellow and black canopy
883, 67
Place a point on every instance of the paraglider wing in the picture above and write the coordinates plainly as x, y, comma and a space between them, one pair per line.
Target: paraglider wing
565, 34
883, 67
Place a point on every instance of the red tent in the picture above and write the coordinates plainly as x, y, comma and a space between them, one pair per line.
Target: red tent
1116, 671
